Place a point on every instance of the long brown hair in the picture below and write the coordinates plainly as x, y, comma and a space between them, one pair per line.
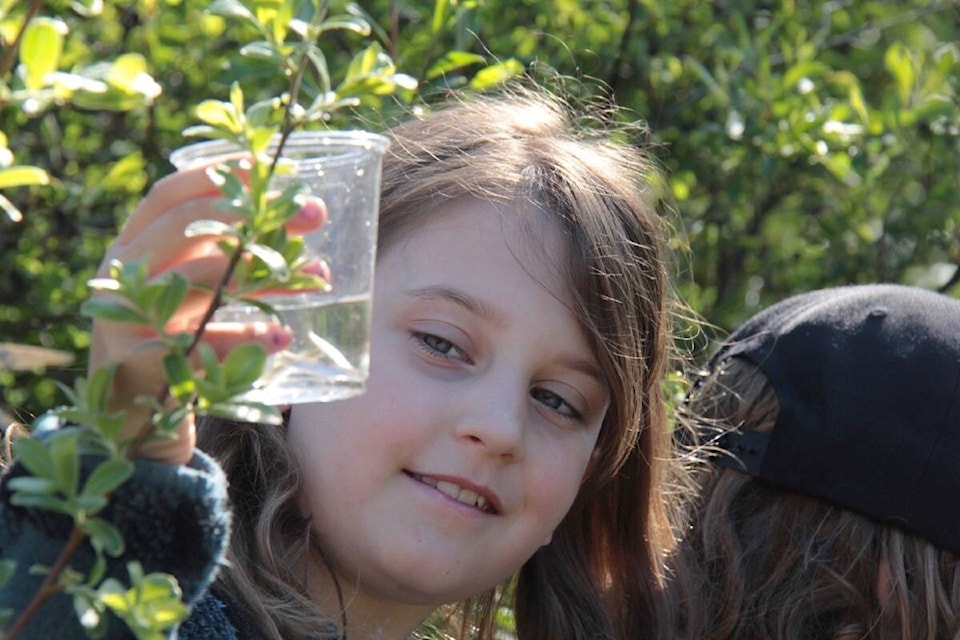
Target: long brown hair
761, 563
528, 150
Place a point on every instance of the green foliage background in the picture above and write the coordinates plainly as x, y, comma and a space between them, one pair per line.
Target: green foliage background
807, 143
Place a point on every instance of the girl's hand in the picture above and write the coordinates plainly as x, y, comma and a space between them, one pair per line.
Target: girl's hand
156, 231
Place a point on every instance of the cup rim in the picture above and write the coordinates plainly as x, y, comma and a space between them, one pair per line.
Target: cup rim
349, 139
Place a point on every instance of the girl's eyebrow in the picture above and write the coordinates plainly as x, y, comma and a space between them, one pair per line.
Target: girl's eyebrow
460, 298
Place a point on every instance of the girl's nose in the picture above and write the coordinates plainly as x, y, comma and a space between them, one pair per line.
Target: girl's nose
494, 419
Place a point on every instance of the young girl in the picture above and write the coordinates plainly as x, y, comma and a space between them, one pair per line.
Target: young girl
512, 427
827, 510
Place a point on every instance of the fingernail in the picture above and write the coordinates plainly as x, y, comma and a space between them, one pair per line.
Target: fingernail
318, 268
311, 212
280, 337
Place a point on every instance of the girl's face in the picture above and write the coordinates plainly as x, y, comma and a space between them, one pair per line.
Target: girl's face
483, 407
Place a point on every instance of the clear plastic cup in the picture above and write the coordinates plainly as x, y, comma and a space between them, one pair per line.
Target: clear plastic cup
328, 358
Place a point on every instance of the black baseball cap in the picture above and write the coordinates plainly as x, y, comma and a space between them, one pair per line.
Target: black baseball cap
867, 378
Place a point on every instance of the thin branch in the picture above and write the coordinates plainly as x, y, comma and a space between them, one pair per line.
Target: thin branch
851, 37
6, 62
49, 586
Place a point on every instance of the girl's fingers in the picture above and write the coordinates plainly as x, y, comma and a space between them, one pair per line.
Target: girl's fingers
179, 188
312, 216
224, 336
166, 194
163, 239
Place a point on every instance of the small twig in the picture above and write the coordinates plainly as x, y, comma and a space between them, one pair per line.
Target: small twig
288, 124
49, 586
6, 62
164, 393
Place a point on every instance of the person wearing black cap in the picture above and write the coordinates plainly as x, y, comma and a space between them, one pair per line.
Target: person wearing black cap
828, 435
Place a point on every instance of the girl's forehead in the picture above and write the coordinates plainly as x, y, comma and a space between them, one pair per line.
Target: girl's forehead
513, 245
532, 236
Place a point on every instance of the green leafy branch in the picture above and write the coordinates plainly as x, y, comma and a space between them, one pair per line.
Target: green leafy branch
261, 256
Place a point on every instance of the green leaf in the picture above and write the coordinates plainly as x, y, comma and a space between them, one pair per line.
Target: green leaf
211, 365
341, 23
87, 8
439, 15
128, 73
179, 375
493, 75
150, 606
260, 114
260, 140
243, 366
14, 214
219, 115
99, 385
90, 504
245, 412
363, 63
35, 456
107, 309
40, 49
23, 176
262, 51
33, 485
44, 502
66, 460
274, 260
900, 65
105, 536
452, 61
107, 476
171, 297
7, 568
89, 612
236, 102
232, 9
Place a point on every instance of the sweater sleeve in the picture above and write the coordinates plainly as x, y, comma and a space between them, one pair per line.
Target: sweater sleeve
174, 519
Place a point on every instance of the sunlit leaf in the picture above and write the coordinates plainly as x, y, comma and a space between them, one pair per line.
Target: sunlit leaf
129, 73
12, 212
40, 49
231, 9
179, 376
439, 15
273, 259
900, 65
491, 76
23, 176
452, 61
218, 114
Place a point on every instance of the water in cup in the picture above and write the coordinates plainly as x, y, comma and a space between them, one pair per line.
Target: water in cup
329, 356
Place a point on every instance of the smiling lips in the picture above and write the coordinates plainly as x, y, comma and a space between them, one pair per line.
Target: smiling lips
458, 493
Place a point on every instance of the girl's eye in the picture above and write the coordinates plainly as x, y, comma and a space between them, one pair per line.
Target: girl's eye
439, 348
555, 403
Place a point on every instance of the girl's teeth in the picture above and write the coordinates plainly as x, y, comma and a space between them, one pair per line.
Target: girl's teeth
465, 496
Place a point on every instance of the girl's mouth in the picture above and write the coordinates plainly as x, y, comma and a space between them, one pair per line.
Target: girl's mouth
458, 493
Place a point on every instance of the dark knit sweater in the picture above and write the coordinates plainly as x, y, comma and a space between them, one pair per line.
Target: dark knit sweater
174, 519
